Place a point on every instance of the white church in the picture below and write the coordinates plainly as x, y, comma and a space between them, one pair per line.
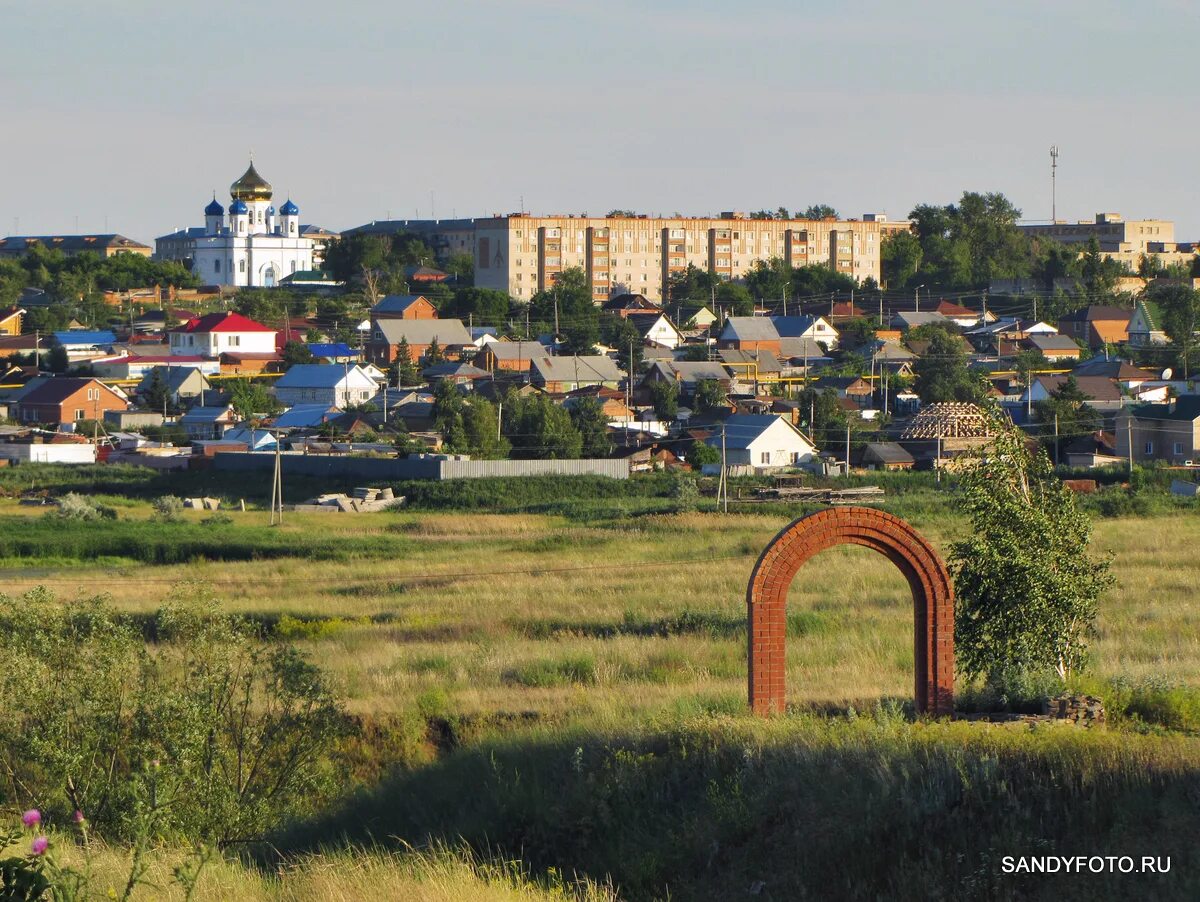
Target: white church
252, 245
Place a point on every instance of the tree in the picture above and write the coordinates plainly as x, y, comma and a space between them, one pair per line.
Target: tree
618, 332
942, 373
589, 418
818, 211
251, 399
403, 372
481, 427
735, 298
447, 416
1180, 307
702, 453
158, 396
665, 398
822, 414
1026, 586
710, 396
295, 352
434, 355
1098, 273
1066, 412
540, 429
769, 279
692, 283
900, 257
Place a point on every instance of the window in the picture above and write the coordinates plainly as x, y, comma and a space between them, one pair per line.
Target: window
241, 266
1149, 448
79, 413
765, 457
216, 266
235, 341
1179, 447
293, 266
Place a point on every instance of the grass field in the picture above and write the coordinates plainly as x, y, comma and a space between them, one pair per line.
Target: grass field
570, 690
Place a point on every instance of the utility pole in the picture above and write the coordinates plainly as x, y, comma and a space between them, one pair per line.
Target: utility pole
847, 449
499, 418
723, 487
1129, 442
276, 485
938, 463
1056, 440
1053, 183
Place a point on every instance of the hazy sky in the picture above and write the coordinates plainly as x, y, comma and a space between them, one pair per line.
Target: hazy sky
135, 110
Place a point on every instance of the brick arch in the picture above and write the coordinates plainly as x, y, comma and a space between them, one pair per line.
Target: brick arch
932, 591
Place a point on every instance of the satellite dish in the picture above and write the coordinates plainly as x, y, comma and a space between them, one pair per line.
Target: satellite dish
1167, 373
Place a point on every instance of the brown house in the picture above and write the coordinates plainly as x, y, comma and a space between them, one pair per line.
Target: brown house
419, 334
1097, 325
514, 356
404, 306
10, 321
66, 399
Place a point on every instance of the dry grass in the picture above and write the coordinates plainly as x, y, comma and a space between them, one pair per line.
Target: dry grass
501, 614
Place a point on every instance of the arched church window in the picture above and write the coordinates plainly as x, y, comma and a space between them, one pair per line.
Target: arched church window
216, 266
241, 266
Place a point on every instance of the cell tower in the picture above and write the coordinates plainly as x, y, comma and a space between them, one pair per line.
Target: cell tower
1053, 183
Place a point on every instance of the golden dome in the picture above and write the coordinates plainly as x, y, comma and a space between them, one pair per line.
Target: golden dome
251, 186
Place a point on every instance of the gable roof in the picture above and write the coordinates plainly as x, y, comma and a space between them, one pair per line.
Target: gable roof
335, 349
888, 453
305, 415
911, 318
1113, 369
59, 388
398, 303
320, 375
229, 321
101, 337
173, 377
1185, 407
592, 367
794, 326
424, 331
1097, 312
517, 350
691, 370
750, 328
1053, 343
743, 429
763, 361
644, 322
22, 243
1096, 388
206, 414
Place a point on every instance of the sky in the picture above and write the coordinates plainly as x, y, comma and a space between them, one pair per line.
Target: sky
126, 116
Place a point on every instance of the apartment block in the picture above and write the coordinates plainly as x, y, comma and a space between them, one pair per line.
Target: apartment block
1125, 241
522, 254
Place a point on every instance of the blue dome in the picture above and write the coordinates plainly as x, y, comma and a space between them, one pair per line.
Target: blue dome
238, 207
214, 209
289, 209
271, 211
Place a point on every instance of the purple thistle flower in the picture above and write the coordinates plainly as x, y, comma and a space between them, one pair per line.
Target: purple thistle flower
78, 817
31, 818
40, 845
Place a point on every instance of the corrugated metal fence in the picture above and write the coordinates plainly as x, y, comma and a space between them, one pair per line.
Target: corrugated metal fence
385, 469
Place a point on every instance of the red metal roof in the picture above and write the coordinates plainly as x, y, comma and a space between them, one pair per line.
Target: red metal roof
222, 322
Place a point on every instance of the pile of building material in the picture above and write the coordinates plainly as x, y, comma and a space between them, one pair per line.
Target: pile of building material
817, 495
359, 501
203, 504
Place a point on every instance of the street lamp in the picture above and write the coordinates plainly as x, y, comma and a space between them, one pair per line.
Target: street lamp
917, 299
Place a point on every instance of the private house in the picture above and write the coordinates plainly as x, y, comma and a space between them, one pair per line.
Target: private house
253, 439
207, 423
305, 416
1053, 347
945, 429
157, 320
66, 399
749, 333
216, 333
183, 383
624, 305
404, 306
1102, 393
699, 318
1161, 432
11, 346
963, 317
751, 368
895, 358
461, 373
1143, 328
813, 328
911, 319
10, 320
514, 356
656, 329
886, 456
851, 388
336, 352
240, 363
424, 275
71, 245
129, 366
762, 443
1126, 374
566, 374
420, 334
81, 344
317, 383
612, 402
688, 374
1096, 325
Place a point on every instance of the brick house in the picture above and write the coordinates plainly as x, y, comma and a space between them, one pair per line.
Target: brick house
1166, 432
386, 335
1097, 325
514, 356
66, 399
404, 306
564, 374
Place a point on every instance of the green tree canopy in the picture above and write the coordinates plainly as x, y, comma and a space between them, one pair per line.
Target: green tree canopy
942, 373
587, 415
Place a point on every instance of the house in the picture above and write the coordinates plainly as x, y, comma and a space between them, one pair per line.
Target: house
319, 383
751, 368
564, 374
762, 443
203, 423
404, 306
814, 328
1166, 432
612, 402
253, 439
894, 357
625, 304
420, 334
181, 382
11, 346
425, 275
462, 373
156, 320
1097, 326
235, 363
510, 355
852, 388
1102, 392
749, 333
1126, 374
886, 456
305, 416
656, 329
961, 316
66, 399
81, 343
699, 318
1143, 327
911, 319
130, 366
688, 374
1053, 347
10, 320
215, 333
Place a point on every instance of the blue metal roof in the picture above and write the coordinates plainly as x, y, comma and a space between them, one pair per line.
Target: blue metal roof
238, 206
214, 208
338, 349
68, 339
314, 375
306, 415
289, 209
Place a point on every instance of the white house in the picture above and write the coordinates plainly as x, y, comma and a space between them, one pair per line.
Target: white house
656, 328
328, 384
762, 442
216, 333
1143, 331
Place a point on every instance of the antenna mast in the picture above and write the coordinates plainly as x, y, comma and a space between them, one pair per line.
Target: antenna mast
1053, 183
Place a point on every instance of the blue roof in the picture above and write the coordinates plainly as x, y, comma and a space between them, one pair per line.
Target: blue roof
214, 209
396, 303
68, 339
289, 209
314, 375
332, 350
238, 207
792, 326
304, 415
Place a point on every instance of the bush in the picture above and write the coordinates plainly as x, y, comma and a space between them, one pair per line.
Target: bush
218, 519
168, 509
242, 729
77, 507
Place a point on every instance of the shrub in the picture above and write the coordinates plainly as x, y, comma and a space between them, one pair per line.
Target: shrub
242, 729
218, 519
168, 509
78, 507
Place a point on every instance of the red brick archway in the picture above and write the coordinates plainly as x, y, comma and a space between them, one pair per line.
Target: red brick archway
932, 591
